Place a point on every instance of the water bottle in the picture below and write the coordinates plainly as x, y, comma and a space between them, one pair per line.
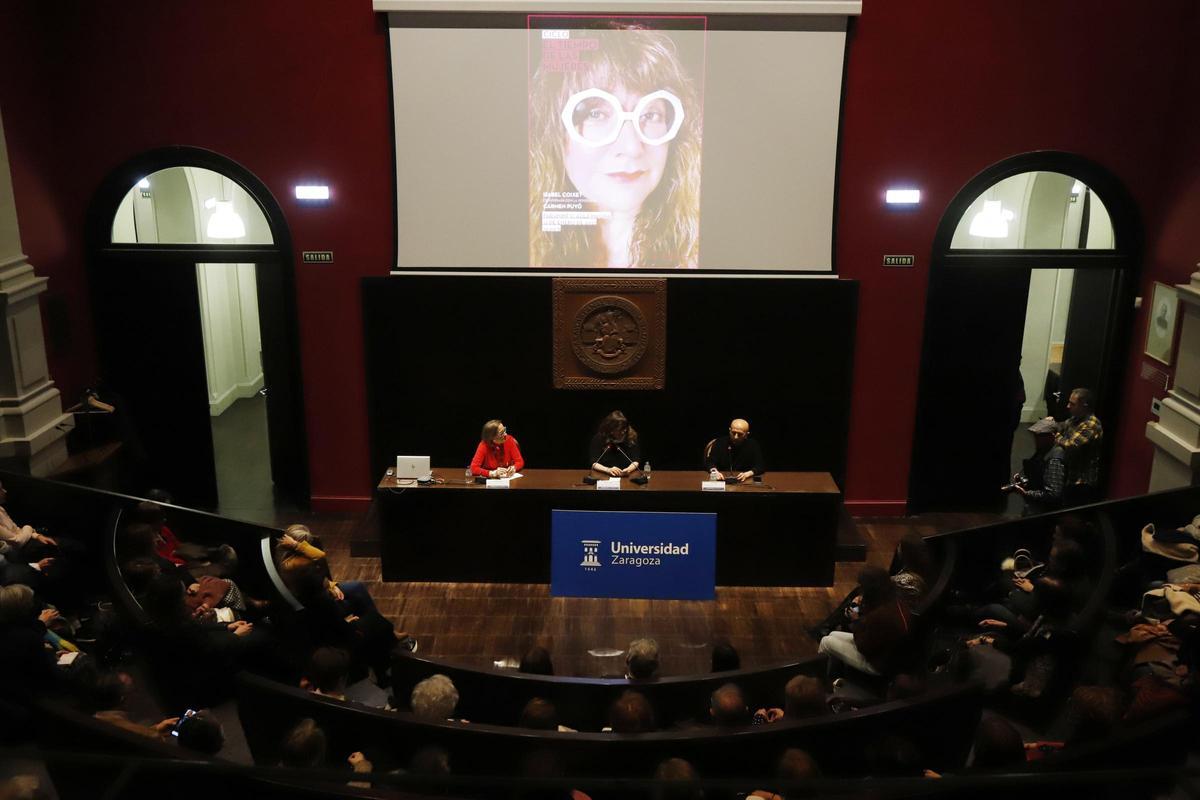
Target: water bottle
646, 470
713, 474
469, 475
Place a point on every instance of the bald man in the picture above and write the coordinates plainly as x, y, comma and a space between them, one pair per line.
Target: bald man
736, 455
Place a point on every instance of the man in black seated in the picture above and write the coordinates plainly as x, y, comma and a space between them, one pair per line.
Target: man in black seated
727, 707
736, 455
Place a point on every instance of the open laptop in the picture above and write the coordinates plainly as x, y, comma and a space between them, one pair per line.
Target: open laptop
412, 466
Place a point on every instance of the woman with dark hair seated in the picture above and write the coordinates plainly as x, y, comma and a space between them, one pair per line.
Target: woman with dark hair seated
614, 449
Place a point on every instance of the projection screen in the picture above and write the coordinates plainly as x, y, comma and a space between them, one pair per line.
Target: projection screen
597, 142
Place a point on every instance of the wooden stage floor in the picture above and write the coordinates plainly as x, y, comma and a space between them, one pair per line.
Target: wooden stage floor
476, 624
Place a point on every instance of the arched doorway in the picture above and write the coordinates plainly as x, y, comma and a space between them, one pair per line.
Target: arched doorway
1030, 293
169, 231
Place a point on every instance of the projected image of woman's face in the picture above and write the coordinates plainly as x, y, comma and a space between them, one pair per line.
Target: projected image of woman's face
620, 175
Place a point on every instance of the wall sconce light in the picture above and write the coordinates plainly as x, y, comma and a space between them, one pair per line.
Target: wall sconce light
992, 222
903, 197
312, 192
225, 223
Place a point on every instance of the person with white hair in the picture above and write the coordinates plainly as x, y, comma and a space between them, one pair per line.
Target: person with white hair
434, 698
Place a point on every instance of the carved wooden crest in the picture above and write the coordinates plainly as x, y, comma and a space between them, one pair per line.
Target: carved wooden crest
609, 334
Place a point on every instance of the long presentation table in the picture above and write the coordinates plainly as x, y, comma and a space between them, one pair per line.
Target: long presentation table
781, 532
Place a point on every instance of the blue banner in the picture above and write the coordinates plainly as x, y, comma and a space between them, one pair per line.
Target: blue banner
633, 554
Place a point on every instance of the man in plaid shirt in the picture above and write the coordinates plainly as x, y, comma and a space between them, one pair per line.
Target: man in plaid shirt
1043, 476
1079, 437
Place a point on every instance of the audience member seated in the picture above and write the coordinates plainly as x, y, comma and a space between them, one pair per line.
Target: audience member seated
220, 561
539, 714
536, 661
1094, 712
631, 713
16, 569
544, 765
434, 699
27, 662
295, 552
195, 640
727, 707
209, 598
23, 539
1054, 591
677, 779
344, 615
725, 657
896, 757
875, 641
912, 568
804, 697
303, 746
998, 746
49, 565
641, 661
201, 733
328, 671
431, 761
795, 766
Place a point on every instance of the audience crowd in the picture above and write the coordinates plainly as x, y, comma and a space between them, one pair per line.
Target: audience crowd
1020, 633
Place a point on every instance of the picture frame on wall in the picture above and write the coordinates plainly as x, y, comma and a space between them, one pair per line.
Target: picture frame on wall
1160, 329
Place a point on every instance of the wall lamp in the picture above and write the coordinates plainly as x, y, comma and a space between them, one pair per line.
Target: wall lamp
903, 197
312, 192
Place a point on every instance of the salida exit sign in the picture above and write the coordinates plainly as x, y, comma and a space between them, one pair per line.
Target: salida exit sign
317, 256
899, 261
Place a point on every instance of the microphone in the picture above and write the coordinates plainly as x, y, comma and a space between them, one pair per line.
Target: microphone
627, 458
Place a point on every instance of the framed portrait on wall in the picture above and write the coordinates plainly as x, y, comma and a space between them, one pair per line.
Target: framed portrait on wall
1160, 332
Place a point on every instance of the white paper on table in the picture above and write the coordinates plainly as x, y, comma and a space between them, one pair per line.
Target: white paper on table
712, 486
609, 484
497, 483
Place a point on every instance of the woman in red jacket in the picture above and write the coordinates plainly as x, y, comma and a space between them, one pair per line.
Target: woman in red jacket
497, 455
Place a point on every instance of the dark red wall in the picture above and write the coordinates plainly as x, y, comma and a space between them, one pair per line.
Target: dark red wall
298, 90
1172, 253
